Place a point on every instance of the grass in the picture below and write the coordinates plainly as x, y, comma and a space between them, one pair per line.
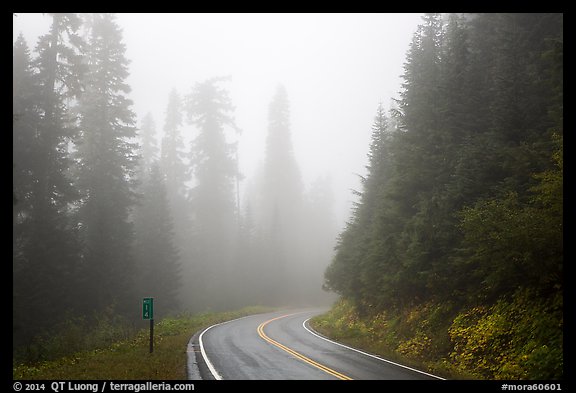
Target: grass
130, 358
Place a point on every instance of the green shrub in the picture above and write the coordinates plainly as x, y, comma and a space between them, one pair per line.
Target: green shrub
516, 339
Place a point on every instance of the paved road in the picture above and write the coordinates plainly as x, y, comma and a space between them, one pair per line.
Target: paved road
280, 346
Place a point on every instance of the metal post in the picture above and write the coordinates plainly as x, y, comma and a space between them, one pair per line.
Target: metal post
151, 335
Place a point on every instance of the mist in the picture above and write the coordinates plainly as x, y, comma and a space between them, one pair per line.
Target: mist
224, 167
402, 170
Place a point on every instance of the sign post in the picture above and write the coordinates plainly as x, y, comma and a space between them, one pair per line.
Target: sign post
148, 313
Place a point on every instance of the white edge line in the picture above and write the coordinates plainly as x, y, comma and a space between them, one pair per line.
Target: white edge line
211, 367
365, 353
208, 362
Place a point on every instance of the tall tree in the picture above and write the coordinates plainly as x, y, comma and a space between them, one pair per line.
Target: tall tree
460, 170
172, 149
157, 256
107, 162
214, 168
176, 174
149, 147
282, 184
370, 239
281, 201
419, 150
46, 251
26, 119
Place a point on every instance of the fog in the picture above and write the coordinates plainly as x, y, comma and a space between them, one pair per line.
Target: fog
334, 69
405, 170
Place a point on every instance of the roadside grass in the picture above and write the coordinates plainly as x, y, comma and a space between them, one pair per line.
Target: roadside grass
130, 358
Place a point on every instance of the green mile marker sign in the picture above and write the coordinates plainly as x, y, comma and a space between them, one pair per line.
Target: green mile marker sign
148, 308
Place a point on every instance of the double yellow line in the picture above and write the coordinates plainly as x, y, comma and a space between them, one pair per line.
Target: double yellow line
296, 354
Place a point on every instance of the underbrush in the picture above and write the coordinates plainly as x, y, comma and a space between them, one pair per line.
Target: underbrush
515, 339
76, 334
120, 352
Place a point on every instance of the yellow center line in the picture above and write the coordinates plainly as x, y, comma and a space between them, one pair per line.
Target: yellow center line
296, 354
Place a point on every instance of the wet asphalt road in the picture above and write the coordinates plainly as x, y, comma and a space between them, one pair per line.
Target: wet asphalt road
280, 346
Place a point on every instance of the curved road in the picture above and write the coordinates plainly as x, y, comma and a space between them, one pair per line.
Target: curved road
281, 346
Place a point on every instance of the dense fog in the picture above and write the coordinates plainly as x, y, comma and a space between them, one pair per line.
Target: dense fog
209, 160
408, 165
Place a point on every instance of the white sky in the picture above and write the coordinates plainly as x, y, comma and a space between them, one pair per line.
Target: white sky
336, 69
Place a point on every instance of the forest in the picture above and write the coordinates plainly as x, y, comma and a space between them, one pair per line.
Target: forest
452, 252
458, 230
104, 215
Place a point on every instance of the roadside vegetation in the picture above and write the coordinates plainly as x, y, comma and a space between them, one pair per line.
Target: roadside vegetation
116, 351
511, 340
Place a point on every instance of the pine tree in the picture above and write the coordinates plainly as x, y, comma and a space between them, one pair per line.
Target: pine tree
157, 257
177, 174
172, 149
282, 188
367, 247
26, 119
46, 246
107, 162
419, 150
405, 243
281, 199
149, 146
214, 168
515, 142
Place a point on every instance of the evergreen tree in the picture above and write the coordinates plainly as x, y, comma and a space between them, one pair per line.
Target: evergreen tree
107, 162
212, 158
173, 155
444, 209
282, 188
177, 174
156, 254
370, 239
281, 200
46, 251
419, 150
26, 119
149, 146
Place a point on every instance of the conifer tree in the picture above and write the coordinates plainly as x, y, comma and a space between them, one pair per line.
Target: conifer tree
149, 146
372, 229
281, 202
25, 120
176, 173
46, 246
157, 257
172, 160
214, 169
282, 188
460, 171
107, 163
